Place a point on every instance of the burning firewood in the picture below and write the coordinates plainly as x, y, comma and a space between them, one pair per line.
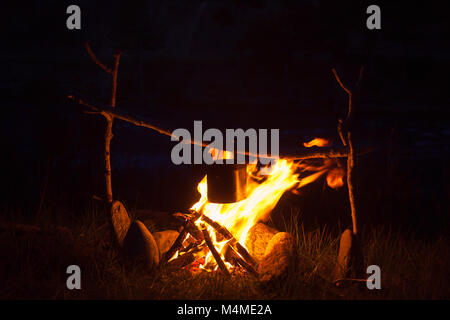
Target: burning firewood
194, 231
180, 262
176, 245
233, 242
235, 252
192, 247
213, 250
188, 228
234, 258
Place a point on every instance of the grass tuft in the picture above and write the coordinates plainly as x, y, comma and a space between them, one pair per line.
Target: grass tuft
34, 267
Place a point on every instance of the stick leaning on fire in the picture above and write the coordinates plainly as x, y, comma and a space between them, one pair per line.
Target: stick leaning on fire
235, 252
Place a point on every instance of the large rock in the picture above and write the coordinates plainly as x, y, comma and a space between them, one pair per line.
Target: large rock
140, 246
257, 239
277, 257
165, 239
342, 267
120, 221
350, 262
160, 220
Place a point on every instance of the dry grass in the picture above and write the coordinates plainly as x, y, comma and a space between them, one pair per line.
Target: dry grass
33, 267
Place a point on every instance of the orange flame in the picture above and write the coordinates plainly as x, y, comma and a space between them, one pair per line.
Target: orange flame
335, 178
318, 142
263, 195
217, 154
263, 192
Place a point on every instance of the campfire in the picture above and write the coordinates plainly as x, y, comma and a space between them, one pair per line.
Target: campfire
214, 234
216, 230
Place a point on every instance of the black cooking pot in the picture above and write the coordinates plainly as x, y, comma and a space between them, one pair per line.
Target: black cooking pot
226, 183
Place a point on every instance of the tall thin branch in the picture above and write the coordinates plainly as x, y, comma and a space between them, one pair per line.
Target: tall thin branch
350, 182
109, 119
361, 71
349, 92
108, 131
347, 140
114, 79
95, 59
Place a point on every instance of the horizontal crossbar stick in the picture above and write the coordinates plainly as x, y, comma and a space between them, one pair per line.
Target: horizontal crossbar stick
104, 109
340, 152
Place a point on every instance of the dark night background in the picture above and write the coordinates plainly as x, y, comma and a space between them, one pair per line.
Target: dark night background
231, 64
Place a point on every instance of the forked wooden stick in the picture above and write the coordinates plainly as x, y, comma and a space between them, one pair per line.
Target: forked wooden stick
109, 119
347, 140
350, 247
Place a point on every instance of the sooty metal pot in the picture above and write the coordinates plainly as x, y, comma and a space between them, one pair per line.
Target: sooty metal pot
226, 183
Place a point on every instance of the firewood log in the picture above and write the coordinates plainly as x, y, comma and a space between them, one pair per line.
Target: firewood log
214, 252
233, 242
234, 258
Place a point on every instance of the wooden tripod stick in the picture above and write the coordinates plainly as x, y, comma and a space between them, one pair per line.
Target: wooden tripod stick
347, 140
109, 119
